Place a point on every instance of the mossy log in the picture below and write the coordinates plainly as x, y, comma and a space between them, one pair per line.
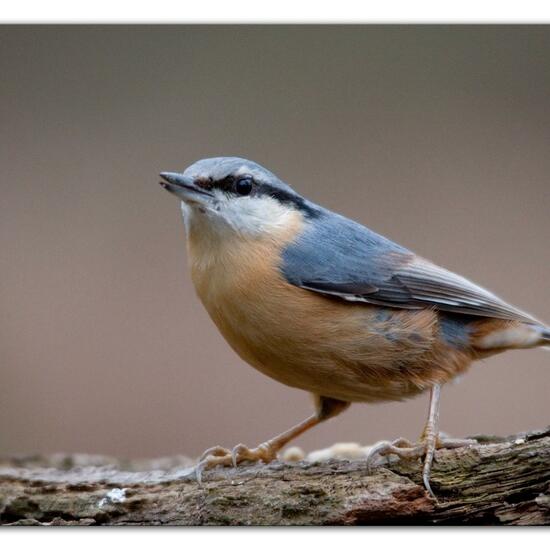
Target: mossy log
499, 481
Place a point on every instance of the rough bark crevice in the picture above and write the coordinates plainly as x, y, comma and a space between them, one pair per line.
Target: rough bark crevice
498, 481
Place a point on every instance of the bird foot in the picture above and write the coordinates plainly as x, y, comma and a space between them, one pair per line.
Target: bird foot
426, 447
216, 456
401, 447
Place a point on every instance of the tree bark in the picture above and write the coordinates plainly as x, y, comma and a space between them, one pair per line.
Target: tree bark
498, 481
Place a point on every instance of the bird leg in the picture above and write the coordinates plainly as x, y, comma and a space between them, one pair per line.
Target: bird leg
266, 452
429, 442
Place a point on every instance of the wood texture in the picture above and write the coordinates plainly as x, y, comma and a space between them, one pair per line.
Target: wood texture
498, 481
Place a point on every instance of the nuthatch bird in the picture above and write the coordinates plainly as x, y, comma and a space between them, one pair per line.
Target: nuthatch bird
321, 303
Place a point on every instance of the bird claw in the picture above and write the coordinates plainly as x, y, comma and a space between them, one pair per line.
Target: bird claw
403, 448
217, 450
216, 456
235, 456
264, 453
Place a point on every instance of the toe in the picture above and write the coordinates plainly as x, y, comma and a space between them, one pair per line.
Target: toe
217, 450
452, 443
266, 453
400, 447
263, 452
377, 450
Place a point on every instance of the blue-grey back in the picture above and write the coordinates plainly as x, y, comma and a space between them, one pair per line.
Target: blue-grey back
337, 250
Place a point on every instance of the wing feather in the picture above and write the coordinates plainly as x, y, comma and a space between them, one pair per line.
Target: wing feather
344, 259
427, 282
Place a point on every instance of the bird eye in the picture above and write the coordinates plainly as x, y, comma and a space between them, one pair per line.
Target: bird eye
243, 186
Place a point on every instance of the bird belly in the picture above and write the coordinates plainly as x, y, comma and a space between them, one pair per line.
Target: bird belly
327, 346
347, 355
348, 351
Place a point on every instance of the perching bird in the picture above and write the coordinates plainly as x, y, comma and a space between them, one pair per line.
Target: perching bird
321, 303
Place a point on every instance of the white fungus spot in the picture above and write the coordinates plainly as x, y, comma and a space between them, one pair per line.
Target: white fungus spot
114, 496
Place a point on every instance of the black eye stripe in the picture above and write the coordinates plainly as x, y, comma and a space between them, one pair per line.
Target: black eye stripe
236, 186
240, 185
286, 197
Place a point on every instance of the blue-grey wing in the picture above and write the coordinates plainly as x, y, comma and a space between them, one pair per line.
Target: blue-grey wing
338, 257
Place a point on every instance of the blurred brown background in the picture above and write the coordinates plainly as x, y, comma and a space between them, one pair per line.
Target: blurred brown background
437, 137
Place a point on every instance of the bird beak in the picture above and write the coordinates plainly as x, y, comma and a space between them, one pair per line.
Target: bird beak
183, 187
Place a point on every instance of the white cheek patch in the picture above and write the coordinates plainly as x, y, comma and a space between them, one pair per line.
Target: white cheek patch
249, 216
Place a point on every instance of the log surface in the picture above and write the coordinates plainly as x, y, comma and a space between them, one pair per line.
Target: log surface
499, 481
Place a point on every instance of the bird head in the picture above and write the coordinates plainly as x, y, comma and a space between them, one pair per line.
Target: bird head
229, 196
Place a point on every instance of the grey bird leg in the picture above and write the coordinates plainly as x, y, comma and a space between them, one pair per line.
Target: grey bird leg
429, 442
430, 436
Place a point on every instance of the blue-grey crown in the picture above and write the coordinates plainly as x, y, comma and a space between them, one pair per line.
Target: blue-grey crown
218, 169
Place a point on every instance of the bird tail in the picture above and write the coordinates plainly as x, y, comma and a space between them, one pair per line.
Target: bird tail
499, 336
545, 336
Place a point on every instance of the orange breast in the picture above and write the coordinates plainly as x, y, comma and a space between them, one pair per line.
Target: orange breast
349, 351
